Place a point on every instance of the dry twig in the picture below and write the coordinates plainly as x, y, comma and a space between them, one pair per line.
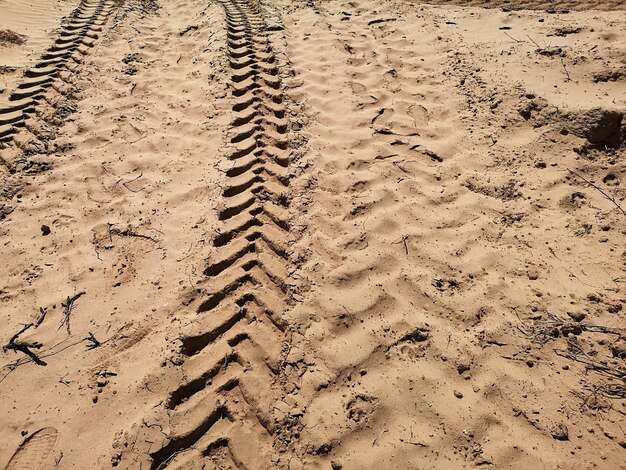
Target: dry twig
15, 345
575, 353
42, 315
403, 240
544, 331
569, 79
599, 189
57, 461
516, 40
68, 305
93, 342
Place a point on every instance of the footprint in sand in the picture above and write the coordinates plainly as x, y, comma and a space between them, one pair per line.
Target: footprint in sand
35, 452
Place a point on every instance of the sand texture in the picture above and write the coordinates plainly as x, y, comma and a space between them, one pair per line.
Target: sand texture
243, 234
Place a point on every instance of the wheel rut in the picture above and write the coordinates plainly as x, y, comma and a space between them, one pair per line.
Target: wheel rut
231, 354
38, 102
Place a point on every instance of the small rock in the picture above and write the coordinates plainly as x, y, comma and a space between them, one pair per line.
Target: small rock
462, 367
571, 329
596, 299
483, 461
458, 394
335, 465
618, 349
560, 432
177, 360
281, 406
577, 316
45, 230
418, 335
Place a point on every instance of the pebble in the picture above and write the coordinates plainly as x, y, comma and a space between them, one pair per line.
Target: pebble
577, 316
560, 432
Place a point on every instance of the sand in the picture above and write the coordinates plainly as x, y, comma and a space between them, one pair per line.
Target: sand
326, 235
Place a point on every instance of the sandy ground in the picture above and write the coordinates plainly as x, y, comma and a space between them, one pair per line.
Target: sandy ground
322, 234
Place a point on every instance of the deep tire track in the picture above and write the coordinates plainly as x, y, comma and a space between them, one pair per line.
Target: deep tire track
39, 99
234, 350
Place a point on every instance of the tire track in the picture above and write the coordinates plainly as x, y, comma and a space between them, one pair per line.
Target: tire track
39, 100
233, 352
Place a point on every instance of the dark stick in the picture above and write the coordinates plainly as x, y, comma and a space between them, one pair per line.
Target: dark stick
131, 181
533, 41
131, 233
42, 314
67, 310
24, 347
569, 79
57, 461
16, 335
516, 40
93, 342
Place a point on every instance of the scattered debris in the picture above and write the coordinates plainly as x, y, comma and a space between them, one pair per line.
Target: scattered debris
550, 51
543, 331
610, 75
575, 353
418, 335
8, 37
566, 31
445, 284
128, 232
